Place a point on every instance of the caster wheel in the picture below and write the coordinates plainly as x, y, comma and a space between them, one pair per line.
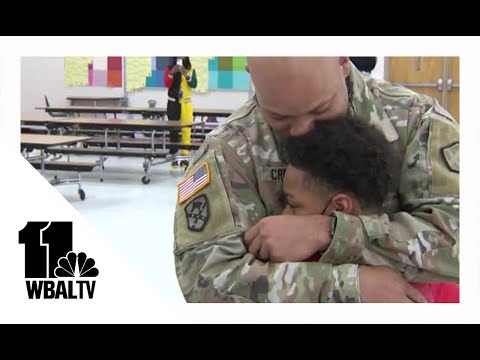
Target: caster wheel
101, 180
82, 195
184, 163
85, 145
145, 180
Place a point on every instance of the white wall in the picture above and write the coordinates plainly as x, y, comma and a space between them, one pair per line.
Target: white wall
221, 99
41, 76
45, 75
379, 70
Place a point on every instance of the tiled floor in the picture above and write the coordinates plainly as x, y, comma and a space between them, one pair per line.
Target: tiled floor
137, 218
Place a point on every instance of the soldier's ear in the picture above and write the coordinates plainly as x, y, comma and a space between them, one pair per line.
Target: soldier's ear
345, 64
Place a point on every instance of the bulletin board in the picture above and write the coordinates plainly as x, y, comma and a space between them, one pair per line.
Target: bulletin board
137, 73
104, 71
213, 73
94, 76
228, 73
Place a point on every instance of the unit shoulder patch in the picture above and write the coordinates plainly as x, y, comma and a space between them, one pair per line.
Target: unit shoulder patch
451, 155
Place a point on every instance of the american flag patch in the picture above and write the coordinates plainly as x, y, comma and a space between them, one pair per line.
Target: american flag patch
194, 183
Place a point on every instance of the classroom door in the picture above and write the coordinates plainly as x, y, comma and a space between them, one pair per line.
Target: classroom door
434, 76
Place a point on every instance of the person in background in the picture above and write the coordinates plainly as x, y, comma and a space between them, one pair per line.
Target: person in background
188, 82
173, 79
180, 78
347, 165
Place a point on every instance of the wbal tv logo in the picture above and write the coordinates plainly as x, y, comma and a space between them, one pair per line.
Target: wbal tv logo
49, 255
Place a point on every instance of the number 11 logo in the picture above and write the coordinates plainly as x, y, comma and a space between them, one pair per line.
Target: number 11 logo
48, 254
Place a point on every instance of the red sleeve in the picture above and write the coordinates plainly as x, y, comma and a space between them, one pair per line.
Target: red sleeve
167, 79
446, 292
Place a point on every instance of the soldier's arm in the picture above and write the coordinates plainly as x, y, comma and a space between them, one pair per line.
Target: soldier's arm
212, 263
422, 241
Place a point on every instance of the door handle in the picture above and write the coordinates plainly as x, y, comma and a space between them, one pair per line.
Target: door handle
439, 84
449, 85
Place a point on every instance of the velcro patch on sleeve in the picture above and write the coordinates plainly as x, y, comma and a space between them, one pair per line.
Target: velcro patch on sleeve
198, 180
451, 155
203, 213
443, 158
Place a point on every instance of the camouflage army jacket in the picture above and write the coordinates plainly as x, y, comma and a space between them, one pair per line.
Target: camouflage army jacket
236, 178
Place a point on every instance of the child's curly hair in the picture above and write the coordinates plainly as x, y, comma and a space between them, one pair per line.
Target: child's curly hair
347, 155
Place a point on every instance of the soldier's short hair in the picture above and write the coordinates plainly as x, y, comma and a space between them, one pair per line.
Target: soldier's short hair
346, 154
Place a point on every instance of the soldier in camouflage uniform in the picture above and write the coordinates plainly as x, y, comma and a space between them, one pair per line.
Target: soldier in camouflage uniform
231, 196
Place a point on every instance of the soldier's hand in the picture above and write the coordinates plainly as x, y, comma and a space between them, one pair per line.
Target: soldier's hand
288, 238
380, 284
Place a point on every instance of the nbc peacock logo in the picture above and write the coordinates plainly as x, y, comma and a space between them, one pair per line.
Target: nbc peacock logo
49, 255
